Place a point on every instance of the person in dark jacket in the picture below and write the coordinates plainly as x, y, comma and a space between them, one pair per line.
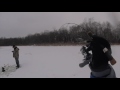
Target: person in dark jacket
101, 55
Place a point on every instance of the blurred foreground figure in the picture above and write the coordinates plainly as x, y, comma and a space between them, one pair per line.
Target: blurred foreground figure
99, 59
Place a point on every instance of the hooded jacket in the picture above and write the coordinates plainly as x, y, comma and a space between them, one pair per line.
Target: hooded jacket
16, 52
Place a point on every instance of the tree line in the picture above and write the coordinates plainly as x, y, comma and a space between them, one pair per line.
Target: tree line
75, 35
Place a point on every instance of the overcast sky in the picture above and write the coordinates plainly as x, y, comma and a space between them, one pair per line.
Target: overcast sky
20, 24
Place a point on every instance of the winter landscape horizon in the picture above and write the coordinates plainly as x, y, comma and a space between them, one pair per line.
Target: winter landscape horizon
49, 62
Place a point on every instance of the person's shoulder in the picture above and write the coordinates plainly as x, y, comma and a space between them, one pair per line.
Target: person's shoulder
17, 48
98, 37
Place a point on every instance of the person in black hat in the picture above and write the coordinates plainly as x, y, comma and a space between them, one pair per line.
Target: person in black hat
101, 55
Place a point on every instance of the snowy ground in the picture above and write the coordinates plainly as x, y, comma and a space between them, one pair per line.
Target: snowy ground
50, 62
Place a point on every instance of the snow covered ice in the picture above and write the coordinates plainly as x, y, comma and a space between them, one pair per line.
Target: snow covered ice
49, 62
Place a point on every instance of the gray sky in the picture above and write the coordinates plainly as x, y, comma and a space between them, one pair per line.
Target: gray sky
20, 24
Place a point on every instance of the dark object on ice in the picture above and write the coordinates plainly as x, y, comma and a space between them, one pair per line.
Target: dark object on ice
3, 69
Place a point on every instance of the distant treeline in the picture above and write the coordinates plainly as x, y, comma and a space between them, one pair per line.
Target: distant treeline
69, 36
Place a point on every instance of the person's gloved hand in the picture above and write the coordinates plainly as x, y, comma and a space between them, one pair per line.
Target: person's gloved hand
81, 65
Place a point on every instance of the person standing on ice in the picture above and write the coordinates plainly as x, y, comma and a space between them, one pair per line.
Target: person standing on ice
16, 55
101, 56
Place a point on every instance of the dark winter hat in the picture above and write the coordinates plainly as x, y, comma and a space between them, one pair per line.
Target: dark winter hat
90, 34
13, 45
